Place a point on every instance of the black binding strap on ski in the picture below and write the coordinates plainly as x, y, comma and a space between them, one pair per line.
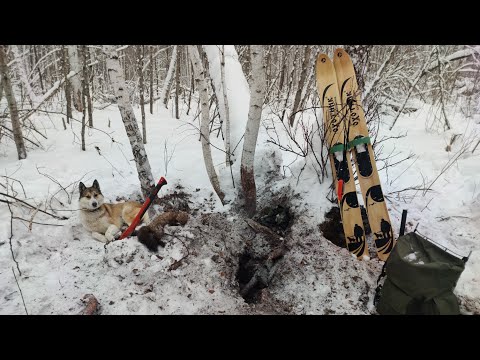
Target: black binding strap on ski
358, 141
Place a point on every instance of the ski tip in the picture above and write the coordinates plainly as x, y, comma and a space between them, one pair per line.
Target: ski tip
341, 55
322, 59
339, 52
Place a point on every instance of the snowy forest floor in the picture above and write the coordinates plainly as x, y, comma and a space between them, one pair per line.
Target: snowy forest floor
196, 273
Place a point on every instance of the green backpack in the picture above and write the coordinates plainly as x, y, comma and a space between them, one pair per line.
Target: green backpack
420, 278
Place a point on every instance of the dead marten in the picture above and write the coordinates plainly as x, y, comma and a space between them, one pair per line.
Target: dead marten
151, 234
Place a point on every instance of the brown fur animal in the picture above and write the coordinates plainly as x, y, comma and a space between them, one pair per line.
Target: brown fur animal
151, 234
104, 220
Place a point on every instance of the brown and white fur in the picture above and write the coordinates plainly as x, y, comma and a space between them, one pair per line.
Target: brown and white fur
104, 220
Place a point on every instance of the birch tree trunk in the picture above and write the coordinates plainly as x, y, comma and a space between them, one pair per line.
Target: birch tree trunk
12, 105
251, 132
199, 72
76, 80
128, 117
165, 93
227, 111
140, 54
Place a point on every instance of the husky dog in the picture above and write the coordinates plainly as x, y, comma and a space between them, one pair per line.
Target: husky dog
105, 220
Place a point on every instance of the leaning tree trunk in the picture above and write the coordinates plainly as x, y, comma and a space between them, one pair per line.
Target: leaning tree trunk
257, 91
75, 81
165, 93
205, 118
12, 105
115, 73
140, 55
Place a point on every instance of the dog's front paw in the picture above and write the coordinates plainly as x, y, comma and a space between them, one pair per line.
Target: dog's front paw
99, 237
112, 233
110, 237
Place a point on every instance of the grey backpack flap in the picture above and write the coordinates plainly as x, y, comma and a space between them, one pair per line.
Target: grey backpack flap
420, 278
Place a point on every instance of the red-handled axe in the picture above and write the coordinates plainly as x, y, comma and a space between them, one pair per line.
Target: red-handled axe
144, 208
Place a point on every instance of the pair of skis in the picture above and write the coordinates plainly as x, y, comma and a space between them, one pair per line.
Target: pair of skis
346, 134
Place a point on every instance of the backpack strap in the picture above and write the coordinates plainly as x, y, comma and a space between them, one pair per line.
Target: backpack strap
379, 287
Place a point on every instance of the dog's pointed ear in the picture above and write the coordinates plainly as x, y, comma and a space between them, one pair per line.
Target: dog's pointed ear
81, 188
96, 185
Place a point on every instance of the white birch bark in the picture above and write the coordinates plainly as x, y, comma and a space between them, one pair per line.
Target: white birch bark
75, 81
257, 94
12, 105
165, 92
230, 159
201, 85
115, 73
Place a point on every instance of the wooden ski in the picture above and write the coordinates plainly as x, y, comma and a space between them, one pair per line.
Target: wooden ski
339, 157
360, 145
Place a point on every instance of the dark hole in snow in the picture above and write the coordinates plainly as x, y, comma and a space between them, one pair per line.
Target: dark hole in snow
278, 218
332, 227
247, 266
